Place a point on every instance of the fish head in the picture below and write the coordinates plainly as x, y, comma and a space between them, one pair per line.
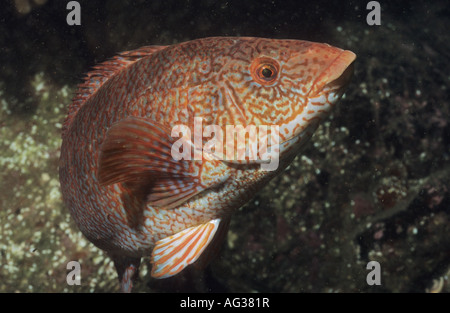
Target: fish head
289, 83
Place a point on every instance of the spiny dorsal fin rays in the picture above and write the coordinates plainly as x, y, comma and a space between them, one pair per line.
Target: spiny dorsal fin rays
100, 74
174, 253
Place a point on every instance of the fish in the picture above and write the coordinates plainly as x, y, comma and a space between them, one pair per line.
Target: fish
138, 187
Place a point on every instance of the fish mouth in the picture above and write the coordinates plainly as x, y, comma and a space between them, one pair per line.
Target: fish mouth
336, 76
331, 82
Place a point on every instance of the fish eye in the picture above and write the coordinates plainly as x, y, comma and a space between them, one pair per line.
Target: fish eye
264, 70
267, 72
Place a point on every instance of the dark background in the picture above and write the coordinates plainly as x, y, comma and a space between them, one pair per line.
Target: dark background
33, 31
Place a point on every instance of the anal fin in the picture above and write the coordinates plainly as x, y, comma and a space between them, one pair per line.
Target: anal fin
174, 253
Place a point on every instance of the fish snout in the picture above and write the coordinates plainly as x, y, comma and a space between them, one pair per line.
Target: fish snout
326, 90
335, 78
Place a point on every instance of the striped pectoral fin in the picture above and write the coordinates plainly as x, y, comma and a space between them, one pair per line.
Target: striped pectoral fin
136, 148
137, 152
174, 253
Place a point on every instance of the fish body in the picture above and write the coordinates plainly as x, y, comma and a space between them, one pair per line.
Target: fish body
125, 190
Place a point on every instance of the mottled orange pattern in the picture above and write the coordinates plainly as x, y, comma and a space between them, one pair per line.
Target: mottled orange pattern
122, 186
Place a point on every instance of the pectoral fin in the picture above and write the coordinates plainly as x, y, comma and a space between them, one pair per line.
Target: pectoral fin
137, 152
174, 253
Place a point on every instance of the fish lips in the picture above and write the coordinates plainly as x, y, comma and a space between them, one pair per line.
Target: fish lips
336, 76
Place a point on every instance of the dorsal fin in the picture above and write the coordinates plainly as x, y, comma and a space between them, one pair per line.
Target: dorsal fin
100, 74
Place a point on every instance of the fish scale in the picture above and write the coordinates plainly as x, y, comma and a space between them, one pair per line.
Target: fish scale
123, 187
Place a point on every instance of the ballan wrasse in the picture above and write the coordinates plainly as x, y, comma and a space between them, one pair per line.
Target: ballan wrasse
125, 190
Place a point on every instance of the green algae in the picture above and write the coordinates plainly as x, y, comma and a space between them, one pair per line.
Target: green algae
37, 236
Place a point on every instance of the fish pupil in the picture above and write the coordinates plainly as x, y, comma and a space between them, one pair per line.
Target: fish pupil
267, 72
264, 70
